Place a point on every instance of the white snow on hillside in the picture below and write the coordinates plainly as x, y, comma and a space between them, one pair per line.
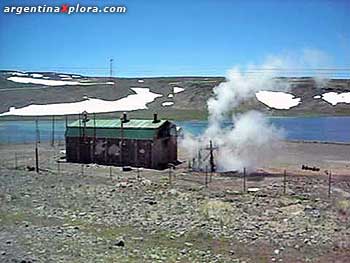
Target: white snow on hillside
19, 74
277, 99
64, 76
178, 89
131, 102
167, 103
140, 81
335, 98
317, 97
170, 95
51, 82
35, 75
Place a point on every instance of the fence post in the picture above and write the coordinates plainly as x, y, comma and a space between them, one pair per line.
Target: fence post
206, 176
37, 140
244, 180
58, 167
329, 183
170, 175
36, 158
284, 181
16, 161
53, 132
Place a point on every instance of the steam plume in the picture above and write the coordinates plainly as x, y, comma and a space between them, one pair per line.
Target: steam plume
252, 140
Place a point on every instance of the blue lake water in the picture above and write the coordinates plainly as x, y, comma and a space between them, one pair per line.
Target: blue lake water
331, 129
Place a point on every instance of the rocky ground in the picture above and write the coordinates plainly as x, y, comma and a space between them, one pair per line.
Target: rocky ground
74, 213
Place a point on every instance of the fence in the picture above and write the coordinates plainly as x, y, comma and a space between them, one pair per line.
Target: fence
51, 162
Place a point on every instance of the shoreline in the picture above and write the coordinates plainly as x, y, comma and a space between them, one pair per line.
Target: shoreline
316, 142
107, 115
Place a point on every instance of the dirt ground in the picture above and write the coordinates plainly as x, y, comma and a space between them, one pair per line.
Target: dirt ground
93, 213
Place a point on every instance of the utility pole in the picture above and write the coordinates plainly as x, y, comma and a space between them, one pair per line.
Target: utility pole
121, 140
94, 145
212, 165
79, 141
110, 69
211, 158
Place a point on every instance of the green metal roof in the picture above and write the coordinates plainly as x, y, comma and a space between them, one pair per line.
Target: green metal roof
116, 124
133, 129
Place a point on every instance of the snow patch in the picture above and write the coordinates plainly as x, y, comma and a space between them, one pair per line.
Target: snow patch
317, 96
178, 89
170, 95
19, 74
49, 82
140, 81
167, 103
131, 102
277, 99
64, 76
35, 75
335, 98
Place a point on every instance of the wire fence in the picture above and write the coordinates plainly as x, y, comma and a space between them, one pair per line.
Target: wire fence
52, 162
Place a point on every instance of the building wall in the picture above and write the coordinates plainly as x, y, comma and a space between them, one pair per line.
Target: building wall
165, 151
154, 154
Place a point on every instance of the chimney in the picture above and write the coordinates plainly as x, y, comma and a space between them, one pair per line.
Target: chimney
85, 117
155, 118
124, 117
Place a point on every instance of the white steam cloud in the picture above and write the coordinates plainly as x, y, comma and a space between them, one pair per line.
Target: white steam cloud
252, 141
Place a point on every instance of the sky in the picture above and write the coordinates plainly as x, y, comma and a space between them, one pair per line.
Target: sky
175, 38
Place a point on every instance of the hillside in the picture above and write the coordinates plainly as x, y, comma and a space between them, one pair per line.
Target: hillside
187, 102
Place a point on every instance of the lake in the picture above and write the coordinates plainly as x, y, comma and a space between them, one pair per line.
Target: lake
330, 129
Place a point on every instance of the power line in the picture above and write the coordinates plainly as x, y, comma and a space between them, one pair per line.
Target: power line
341, 71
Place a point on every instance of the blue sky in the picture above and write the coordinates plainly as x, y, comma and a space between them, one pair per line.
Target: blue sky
164, 38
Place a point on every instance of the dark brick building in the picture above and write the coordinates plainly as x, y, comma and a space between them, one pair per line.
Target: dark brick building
122, 142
